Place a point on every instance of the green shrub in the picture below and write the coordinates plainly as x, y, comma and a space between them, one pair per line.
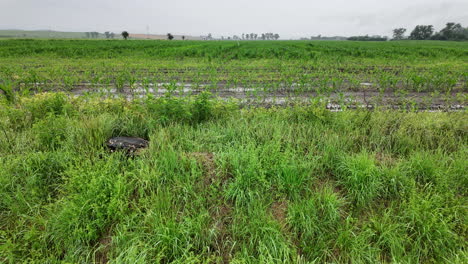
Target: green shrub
43, 105
361, 178
51, 132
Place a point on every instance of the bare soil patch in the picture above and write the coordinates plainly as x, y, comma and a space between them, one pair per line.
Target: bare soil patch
209, 166
219, 208
103, 248
279, 210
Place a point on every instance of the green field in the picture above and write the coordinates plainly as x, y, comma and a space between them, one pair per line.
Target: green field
225, 180
424, 73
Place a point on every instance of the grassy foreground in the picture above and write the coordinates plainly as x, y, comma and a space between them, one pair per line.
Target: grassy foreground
220, 184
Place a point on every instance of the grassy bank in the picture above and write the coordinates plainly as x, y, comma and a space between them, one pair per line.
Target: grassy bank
223, 184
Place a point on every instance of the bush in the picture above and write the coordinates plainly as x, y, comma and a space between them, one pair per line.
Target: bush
41, 105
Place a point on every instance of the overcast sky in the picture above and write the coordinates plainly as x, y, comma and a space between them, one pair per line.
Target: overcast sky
289, 18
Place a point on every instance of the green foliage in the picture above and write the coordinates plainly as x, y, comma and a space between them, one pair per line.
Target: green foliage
202, 108
51, 132
81, 219
125, 35
8, 93
422, 32
316, 220
285, 50
267, 72
46, 104
452, 31
361, 178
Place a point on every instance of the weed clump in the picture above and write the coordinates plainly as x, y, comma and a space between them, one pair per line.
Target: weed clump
361, 178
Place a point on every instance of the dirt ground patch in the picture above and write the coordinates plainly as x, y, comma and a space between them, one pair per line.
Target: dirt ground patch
385, 159
206, 159
221, 217
321, 184
103, 247
279, 210
220, 210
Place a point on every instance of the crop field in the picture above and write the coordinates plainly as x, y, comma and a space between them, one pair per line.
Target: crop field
430, 75
259, 152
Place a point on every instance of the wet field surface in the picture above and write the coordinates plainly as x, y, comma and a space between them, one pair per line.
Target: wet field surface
367, 96
265, 97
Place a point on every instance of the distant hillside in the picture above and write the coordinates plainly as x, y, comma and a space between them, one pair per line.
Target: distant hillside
40, 34
47, 34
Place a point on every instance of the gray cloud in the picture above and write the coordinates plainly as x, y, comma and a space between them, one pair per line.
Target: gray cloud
290, 18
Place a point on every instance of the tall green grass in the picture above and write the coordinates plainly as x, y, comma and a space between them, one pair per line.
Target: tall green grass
220, 184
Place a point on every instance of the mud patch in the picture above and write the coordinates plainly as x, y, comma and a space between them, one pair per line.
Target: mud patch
321, 184
220, 210
385, 159
261, 95
221, 216
206, 159
279, 210
103, 248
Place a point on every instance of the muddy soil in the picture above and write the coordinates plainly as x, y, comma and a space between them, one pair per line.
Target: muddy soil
366, 97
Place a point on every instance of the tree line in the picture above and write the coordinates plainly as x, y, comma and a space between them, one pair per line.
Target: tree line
451, 31
247, 36
95, 35
367, 38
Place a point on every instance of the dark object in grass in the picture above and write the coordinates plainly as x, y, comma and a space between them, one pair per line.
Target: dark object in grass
129, 144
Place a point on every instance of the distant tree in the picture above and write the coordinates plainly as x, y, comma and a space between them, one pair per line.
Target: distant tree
88, 35
107, 34
276, 36
256, 36
112, 35
398, 33
422, 32
183, 37
367, 38
94, 34
452, 31
247, 36
210, 37
125, 35
170, 36
243, 36
263, 36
